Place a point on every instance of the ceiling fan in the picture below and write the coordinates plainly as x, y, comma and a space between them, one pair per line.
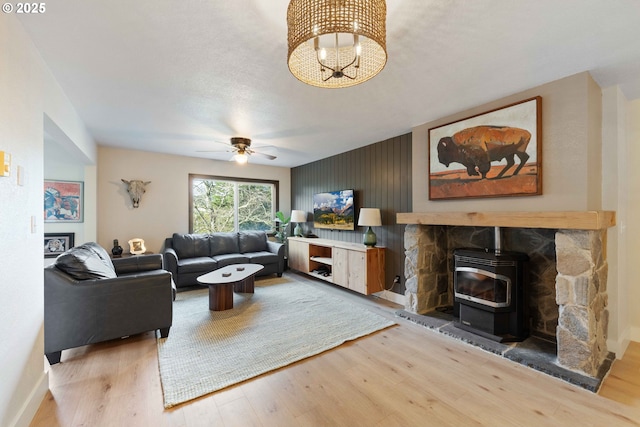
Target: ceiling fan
242, 149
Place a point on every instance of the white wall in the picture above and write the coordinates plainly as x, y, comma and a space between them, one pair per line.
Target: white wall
633, 216
614, 190
62, 165
164, 208
621, 192
21, 310
29, 96
571, 137
67, 161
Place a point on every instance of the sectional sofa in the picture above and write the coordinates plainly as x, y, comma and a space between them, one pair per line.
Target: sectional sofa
188, 256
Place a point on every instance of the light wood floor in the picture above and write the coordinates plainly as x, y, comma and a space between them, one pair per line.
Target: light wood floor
623, 382
403, 376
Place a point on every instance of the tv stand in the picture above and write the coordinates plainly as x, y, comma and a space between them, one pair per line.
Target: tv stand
350, 265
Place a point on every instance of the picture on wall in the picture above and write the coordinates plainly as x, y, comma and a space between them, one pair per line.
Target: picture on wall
334, 210
493, 154
56, 243
63, 201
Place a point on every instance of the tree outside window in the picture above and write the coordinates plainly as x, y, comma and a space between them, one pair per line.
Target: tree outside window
221, 204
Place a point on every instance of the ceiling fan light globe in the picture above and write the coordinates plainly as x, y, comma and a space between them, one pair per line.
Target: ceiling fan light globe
241, 158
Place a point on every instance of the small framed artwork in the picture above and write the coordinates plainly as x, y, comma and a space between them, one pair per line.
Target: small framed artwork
493, 154
63, 201
56, 243
136, 246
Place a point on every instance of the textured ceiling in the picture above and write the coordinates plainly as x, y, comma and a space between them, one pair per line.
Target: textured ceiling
182, 77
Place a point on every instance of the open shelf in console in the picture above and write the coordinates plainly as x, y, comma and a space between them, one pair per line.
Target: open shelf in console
320, 262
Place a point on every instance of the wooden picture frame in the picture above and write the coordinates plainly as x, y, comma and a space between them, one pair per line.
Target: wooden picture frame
136, 246
492, 154
57, 243
63, 201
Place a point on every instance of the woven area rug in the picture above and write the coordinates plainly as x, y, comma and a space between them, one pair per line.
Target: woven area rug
284, 321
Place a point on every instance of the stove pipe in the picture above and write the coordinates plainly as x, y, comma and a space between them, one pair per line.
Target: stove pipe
497, 240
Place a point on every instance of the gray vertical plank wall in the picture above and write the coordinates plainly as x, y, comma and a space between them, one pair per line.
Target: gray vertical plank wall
380, 175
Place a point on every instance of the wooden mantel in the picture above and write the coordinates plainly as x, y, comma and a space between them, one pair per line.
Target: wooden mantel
572, 220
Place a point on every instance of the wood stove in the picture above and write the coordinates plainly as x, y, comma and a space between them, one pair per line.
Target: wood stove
489, 292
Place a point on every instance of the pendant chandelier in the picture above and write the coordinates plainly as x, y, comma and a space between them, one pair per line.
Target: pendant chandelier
336, 43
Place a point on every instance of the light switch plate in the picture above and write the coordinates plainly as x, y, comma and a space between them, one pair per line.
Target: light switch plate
20, 175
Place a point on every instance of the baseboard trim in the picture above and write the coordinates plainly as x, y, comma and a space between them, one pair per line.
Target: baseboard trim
391, 296
31, 405
619, 346
634, 335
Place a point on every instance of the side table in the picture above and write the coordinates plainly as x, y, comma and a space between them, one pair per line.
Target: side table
127, 255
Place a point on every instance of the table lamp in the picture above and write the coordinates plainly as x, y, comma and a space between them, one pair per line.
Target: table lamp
369, 217
298, 217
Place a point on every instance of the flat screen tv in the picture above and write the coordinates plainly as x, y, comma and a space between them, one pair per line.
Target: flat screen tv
334, 210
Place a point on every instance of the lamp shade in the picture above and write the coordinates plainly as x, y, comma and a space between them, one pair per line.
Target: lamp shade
298, 216
369, 217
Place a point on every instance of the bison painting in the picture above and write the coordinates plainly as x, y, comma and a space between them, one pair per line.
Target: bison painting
477, 147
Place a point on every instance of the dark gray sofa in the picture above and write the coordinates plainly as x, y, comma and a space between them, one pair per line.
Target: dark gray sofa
188, 256
88, 298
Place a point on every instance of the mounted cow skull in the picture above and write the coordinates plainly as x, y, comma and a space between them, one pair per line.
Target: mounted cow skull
136, 189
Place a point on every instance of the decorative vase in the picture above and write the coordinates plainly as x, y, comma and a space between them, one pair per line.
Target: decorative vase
117, 249
369, 238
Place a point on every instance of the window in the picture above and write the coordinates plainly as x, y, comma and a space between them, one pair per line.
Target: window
231, 204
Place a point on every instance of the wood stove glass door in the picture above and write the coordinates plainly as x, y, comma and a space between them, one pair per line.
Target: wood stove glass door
483, 287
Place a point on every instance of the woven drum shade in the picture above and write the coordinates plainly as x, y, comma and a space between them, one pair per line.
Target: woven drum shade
308, 19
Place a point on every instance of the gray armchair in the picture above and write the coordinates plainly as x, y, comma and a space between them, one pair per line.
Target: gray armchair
88, 298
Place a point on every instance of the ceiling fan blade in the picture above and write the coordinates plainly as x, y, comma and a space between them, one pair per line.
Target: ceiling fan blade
240, 145
219, 147
268, 156
216, 151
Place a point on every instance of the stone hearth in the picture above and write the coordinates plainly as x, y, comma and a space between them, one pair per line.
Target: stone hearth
534, 352
567, 272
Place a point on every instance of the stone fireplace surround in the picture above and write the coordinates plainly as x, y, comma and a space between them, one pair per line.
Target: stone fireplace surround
567, 280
